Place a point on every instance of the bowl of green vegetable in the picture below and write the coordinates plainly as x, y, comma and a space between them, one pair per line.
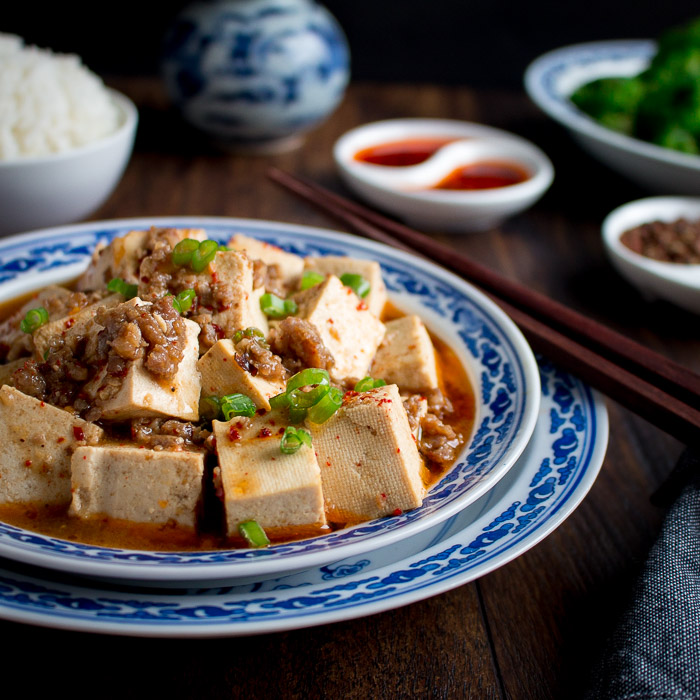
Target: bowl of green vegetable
633, 104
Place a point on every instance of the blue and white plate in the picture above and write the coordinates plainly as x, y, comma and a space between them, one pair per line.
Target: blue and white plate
500, 363
546, 484
550, 81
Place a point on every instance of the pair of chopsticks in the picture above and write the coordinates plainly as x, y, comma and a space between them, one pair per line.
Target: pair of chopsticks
652, 386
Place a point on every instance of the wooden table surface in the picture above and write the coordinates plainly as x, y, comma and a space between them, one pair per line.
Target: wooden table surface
530, 629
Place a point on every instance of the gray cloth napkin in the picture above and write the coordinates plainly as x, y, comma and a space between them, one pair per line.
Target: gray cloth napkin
655, 651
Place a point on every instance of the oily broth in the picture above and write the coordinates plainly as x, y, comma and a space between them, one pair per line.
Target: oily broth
54, 521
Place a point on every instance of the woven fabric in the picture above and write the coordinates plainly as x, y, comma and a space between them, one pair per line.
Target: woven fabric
655, 651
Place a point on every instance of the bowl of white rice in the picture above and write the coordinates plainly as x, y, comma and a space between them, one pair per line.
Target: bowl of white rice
65, 138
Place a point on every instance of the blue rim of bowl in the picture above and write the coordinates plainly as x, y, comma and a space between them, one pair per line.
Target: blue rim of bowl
506, 380
542, 75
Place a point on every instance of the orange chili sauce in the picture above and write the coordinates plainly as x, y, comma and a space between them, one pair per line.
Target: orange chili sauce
54, 521
402, 153
485, 175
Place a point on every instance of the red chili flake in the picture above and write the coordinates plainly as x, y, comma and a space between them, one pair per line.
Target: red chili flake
220, 332
362, 306
281, 432
84, 456
145, 280
261, 411
349, 290
240, 425
60, 440
223, 307
214, 277
337, 437
69, 323
383, 495
398, 511
233, 434
381, 401
330, 320
398, 449
349, 395
272, 422
42, 404
265, 432
328, 464
28, 463
225, 359
78, 432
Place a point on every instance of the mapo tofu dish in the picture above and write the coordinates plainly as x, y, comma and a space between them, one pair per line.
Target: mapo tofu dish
184, 394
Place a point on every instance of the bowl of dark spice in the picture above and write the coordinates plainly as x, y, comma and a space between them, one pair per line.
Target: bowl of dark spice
654, 243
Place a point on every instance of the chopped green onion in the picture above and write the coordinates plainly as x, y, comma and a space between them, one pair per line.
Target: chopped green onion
293, 439
367, 384
326, 407
253, 534
275, 307
357, 283
223, 248
215, 403
237, 405
296, 415
300, 398
310, 279
279, 401
308, 377
118, 285
250, 332
204, 254
33, 319
183, 301
183, 251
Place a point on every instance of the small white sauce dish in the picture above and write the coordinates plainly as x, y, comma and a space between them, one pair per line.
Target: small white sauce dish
66, 187
674, 282
405, 190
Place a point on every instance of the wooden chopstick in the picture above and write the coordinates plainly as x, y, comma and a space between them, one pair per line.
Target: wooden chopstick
657, 369
649, 397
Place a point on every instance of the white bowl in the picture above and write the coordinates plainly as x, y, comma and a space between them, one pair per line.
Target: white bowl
674, 282
67, 186
499, 361
552, 78
402, 190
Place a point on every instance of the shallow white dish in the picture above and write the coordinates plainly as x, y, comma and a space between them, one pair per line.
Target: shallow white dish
404, 191
502, 368
68, 186
552, 78
677, 283
546, 484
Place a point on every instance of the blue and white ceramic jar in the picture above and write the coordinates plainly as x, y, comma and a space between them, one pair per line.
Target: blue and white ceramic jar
256, 74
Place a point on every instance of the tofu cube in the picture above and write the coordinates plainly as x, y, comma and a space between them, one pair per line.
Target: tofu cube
369, 269
233, 268
142, 394
348, 329
36, 444
139, 485
406, 356
370, 465
290, 266
282, 492
72, 326
222, 375
122, 257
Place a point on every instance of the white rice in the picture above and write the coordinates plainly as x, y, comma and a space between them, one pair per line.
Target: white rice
49, 102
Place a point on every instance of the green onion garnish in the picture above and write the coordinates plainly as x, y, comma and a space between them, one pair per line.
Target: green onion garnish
223, 248
299, 398
250, 332
33, 319
183, 301
237, 405
182, 252
293, 439
274, 307
326, 407
367, 384
308, 377
357, 283
118, 285
310, 279
279, 401
204, 254
253, 534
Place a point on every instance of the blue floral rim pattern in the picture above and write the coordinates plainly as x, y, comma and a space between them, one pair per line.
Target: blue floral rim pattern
503, 382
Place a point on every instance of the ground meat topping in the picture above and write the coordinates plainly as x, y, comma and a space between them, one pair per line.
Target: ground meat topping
414, 409
256, 359
168, 433
299, 345
439, 442
675, 241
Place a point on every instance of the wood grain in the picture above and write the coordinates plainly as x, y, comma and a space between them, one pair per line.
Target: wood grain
528, 630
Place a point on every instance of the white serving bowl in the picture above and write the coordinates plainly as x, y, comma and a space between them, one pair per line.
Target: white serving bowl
674, 282
551, 80
67, 186
402, 191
